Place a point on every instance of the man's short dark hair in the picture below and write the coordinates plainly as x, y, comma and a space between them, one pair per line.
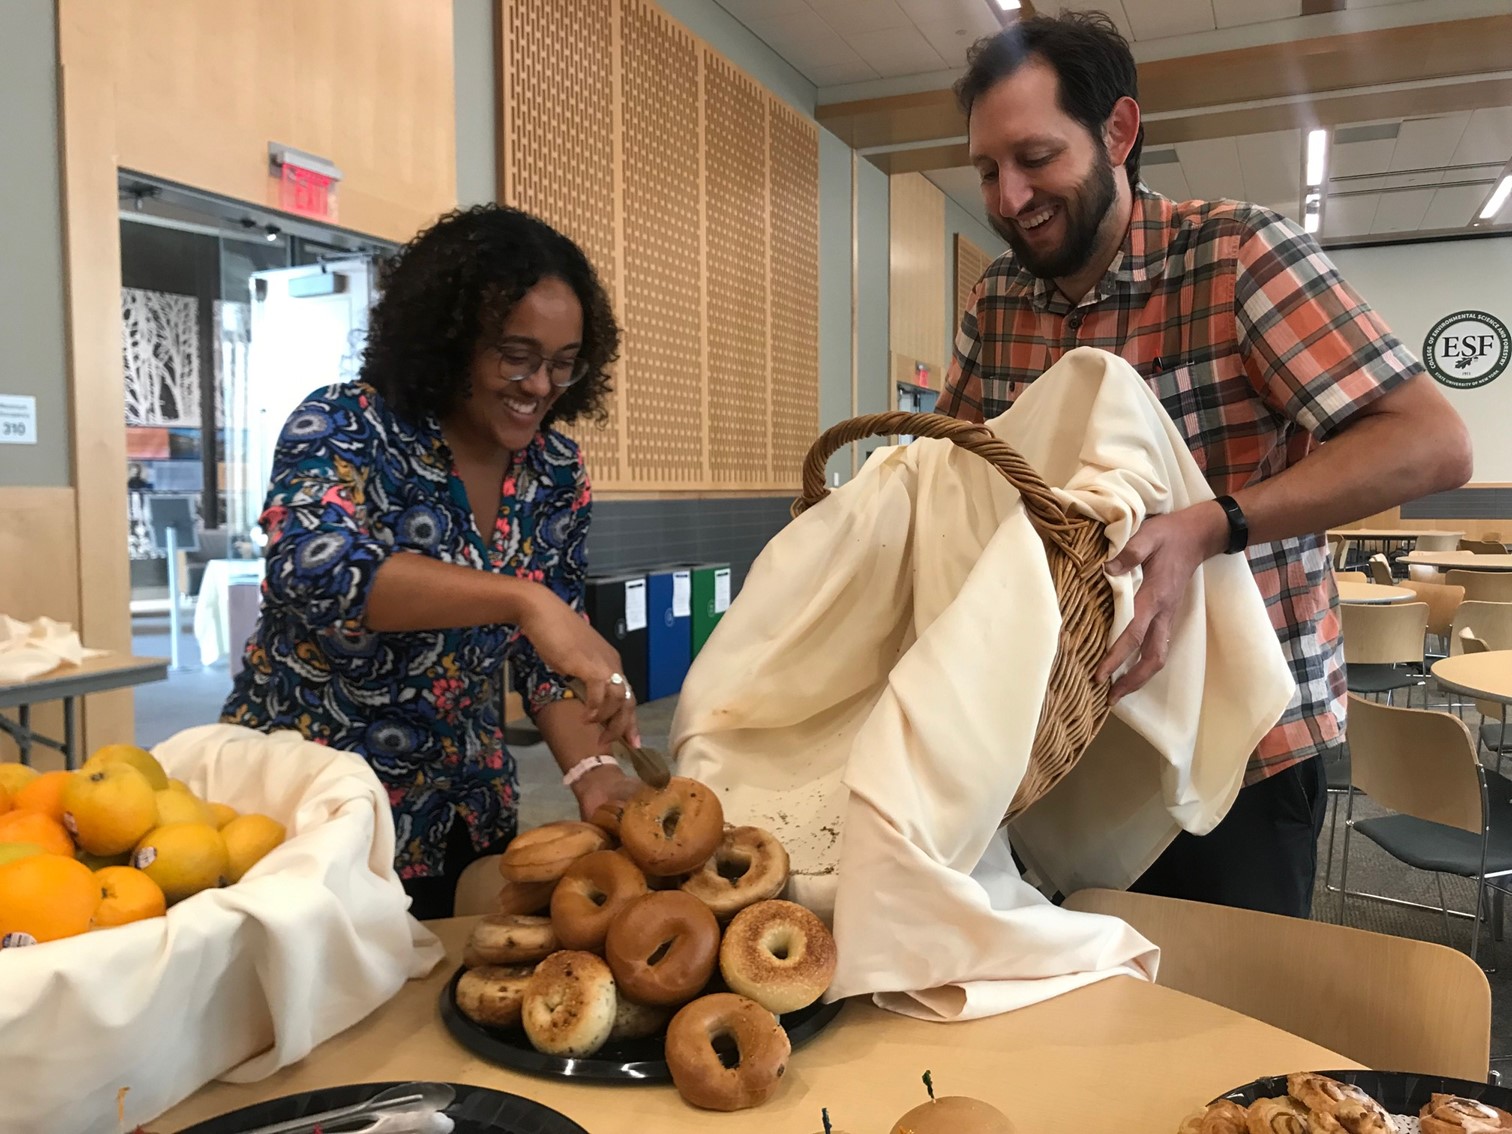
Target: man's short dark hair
1091, 60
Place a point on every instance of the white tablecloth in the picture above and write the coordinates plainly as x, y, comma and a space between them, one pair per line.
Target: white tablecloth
212, 611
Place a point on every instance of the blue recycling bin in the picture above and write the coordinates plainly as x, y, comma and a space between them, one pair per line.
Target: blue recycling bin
669, 628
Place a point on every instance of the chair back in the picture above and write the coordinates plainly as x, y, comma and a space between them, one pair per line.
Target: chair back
1442, 600
478, 888
1381, 1001
1470, 644
1351, 577
1482, 586
1416, 762
1442, 541
1380, 570
1491, 622
1383, 633
1482, 546
1492, 537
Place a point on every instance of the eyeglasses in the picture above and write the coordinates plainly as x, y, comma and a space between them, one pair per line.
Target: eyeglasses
519, 363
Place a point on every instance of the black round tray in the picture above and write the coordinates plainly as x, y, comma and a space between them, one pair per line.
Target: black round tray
638, 1061
476, 1110
1400, 1092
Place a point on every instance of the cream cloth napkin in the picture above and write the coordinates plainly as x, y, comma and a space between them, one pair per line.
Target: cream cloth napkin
872, 695
30, 649
234, 983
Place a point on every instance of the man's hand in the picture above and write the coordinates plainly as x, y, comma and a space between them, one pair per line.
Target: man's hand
1169, 548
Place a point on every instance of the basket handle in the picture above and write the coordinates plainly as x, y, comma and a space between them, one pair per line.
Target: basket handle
1047, 515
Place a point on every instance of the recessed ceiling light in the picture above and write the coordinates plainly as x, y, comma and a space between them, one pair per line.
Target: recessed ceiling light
1498, 198
1317, 146
1007, 5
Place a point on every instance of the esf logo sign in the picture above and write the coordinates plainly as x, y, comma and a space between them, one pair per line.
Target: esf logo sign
1467, 349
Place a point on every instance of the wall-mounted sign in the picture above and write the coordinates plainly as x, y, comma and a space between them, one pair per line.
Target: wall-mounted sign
18, 419
1467, 349
306, 182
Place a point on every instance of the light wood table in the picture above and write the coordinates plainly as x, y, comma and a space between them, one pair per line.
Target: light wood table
1118, 1055
66, 683
1460, 562
1404, 534
1485, 675
1371, 594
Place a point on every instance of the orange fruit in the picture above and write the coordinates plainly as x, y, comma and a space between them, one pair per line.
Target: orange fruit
9, 852
127, 895
44, 794
139, 758
223, 813
174, 806
183, 859
34, 827
101, 861
109, 808
5, 799
46, 897
248, 838
14, 777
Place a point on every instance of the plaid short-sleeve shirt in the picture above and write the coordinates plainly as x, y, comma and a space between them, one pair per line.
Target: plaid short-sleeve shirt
1257, 349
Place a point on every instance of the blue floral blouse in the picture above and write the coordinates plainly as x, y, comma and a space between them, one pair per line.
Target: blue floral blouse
352, 484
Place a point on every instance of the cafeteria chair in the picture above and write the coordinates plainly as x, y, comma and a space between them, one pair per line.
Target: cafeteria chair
1482, 546
1450, 814
1380, 570
1482, 586
1383, 646
478, 888
1491, 622
1443, 601
1429, 574
1379, 1000
1351, 577
1494, 736
1439, 542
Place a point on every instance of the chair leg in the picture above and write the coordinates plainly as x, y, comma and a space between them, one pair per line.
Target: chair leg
1480, 901
1344, 865
1333, 829
1438, 880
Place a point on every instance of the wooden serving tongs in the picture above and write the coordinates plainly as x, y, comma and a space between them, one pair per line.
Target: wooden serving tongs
649, 764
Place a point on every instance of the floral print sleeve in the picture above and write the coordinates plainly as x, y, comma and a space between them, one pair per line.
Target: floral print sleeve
561, 531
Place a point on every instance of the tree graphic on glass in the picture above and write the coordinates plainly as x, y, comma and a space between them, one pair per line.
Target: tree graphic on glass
160, 341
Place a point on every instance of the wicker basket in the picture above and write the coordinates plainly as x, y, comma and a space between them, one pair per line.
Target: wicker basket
1075, 705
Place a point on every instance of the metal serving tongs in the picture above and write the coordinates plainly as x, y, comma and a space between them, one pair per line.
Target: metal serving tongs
410, 1100
649, 764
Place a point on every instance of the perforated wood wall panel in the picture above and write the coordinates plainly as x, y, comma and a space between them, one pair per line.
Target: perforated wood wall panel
794, 289
695, 193
559, 153
735, 202
970, 263
663, 310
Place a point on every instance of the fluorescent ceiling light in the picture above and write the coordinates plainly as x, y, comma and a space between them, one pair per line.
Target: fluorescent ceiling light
1310, 222
1317, 144
1312, 212
1007, 5
1498, 198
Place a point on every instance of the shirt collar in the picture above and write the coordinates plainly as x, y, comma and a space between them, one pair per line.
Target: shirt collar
1139, 261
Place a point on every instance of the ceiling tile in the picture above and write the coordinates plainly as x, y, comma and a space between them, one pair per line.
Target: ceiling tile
896, 51
1159, 19
759, 9
1456, 207
1487, 136
923, 11
1352, 159
1114, 9
820, 53
1212, 168
1168, 180
852, 15
1402, 212
1232, 13
788, 26
1349, 216
838, 74
1426, 143
1272, 166
951, 37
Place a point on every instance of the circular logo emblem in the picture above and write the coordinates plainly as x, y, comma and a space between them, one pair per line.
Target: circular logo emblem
1467, 349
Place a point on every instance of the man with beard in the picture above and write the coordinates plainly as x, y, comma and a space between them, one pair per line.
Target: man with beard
1259, 352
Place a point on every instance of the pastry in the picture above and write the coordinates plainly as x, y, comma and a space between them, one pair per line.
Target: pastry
1338, 1108
1221, 1117
1450, 1114
1277, 1116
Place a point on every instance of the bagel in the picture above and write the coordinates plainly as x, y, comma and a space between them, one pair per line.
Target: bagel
637, 1021
491, 995
509, 939
569, 1004
606, 816
779, 954
747, 867
662, 948
726, 1052
594, 889
674, 829
522, 897
543, 854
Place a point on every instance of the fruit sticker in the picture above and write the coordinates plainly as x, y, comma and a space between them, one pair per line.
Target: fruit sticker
144, 858
16, 940
71, 823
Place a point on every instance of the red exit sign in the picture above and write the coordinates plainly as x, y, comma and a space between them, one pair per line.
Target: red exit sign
306, 183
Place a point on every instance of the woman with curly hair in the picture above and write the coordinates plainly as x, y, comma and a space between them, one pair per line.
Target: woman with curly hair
427, 522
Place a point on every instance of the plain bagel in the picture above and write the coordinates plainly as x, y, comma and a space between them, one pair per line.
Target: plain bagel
543, 854
509, 939
747, 867
726, 1052
662, 948
589, 896
779, 954
491, 995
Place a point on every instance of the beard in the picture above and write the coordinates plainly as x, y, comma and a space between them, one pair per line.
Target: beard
1084, 211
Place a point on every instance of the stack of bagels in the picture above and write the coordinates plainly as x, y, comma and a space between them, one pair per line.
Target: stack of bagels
613, 930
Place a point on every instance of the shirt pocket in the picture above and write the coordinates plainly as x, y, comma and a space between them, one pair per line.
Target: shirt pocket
1206, 400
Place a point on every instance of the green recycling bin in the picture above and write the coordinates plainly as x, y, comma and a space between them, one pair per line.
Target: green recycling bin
711, 598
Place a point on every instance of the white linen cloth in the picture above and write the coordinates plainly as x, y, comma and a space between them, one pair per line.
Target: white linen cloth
234, 983
872, 695
30, 649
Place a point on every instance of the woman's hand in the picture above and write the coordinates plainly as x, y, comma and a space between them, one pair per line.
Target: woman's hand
567, 644
601, 786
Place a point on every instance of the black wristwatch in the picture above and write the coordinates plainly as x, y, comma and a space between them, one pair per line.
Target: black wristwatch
1238, 538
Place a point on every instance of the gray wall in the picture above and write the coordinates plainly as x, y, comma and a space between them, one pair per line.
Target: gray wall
32, 345
872, 331
477, 101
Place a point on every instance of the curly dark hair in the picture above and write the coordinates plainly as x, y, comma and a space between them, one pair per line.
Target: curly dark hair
1091, 59
451, 288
